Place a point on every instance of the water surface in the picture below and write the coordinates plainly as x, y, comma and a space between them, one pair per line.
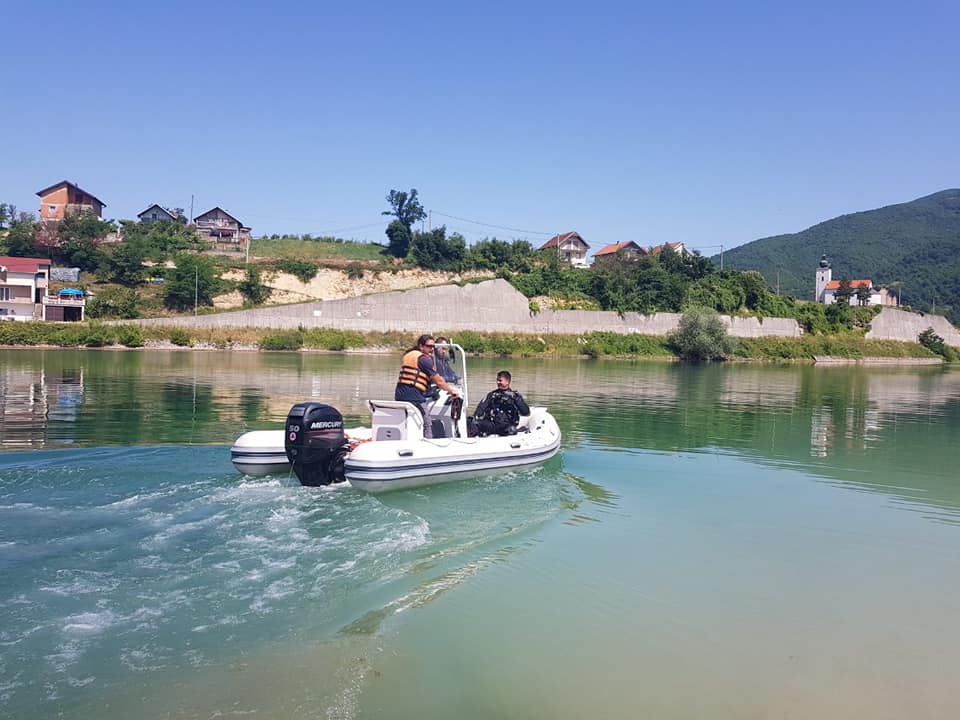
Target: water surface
725, 542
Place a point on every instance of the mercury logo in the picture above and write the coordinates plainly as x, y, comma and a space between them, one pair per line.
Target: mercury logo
325, 424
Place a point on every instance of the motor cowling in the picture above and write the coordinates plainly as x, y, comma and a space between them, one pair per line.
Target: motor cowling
315, 443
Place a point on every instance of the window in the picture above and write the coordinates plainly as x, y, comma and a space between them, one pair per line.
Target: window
4, 293
51, 210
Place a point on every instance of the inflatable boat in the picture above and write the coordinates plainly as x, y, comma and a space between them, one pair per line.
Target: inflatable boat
392, 453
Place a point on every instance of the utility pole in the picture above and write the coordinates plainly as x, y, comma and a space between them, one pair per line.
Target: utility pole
721, 257
196, 288
430, 222
191, 208
778, 281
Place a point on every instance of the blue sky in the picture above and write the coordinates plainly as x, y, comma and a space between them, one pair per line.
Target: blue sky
708, 123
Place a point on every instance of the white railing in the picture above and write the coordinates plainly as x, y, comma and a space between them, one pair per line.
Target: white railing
64, 301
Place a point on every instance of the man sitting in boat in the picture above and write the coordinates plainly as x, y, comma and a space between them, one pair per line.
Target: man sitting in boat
499, 412
442, 359
417, 371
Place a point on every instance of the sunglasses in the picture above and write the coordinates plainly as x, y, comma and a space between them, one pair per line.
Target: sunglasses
429, 346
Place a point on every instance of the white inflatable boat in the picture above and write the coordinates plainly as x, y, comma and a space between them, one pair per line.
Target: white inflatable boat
392, 453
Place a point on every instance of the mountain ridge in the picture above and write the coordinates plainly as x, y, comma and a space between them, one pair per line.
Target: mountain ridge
912, 247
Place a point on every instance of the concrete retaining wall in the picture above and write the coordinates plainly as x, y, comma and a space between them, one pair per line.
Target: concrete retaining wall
896, 324
490, 306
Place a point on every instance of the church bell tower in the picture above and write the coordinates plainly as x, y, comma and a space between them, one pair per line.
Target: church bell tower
824, 275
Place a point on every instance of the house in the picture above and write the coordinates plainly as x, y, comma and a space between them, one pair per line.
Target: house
219, 226
627, 250
155, 213
57, 200
677, 247
570, 246
827, 287
23, 292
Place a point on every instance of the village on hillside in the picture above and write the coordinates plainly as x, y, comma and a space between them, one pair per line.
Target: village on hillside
25, 282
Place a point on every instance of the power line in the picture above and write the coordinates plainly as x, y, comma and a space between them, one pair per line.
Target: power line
499, 227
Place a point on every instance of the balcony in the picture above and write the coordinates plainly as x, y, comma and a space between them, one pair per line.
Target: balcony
64, 301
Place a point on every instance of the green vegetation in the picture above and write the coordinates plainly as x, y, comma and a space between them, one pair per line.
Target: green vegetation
315, 249
407, 210
913, 248
193, 282
252, 289
303, 270
588, 345
701, 335
285, 340
934, 343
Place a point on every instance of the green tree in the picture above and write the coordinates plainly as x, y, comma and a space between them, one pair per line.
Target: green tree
701, 335
435, 251
124, 264
191, 283
20, 240
83, 225
399, 238
407, 210
844, 293
252, 289
863, 295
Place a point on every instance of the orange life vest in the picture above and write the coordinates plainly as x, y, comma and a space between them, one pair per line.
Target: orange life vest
410, 372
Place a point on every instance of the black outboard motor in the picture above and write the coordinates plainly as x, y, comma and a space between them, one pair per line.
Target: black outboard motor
315, 443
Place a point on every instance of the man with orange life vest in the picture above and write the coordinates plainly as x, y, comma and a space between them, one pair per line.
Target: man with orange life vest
417, 371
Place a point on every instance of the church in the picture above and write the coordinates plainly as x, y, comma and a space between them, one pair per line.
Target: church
827, 289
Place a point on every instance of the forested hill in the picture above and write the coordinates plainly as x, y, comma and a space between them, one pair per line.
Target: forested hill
915, 243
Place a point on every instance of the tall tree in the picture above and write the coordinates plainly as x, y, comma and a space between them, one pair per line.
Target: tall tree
192, 282
407, 210
844, 293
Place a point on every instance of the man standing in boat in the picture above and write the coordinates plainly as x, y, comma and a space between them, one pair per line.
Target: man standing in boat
417, 371
499, 412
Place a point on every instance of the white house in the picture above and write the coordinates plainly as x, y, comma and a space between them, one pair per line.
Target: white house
23, 292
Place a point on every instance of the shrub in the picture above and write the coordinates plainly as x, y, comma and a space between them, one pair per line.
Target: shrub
701, 335
354, 270
301, 269
287, 340
180, 337
130, 336
115, 302
936, 344
254, 291
329, 339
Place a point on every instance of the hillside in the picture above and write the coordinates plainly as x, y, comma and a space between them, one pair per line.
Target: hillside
915, 243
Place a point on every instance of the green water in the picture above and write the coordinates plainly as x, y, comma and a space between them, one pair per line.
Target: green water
724, 541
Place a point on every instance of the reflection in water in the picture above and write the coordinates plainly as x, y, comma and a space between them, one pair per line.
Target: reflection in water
877, 420
32, 398
696, 543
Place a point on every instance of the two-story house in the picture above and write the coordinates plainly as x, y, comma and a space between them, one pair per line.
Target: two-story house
23, 292
156, 213
57, 200
219, 226
618, 252
570, 247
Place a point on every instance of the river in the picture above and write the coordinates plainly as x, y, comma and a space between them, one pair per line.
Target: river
723, 541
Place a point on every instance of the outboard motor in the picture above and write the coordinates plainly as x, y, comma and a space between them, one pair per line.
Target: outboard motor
315, 443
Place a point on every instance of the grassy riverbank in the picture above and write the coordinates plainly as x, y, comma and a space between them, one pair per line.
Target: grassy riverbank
590, 345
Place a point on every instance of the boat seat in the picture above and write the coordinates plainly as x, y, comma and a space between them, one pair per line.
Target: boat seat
395, 420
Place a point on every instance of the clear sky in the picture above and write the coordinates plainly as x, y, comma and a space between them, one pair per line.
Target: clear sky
703, 122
